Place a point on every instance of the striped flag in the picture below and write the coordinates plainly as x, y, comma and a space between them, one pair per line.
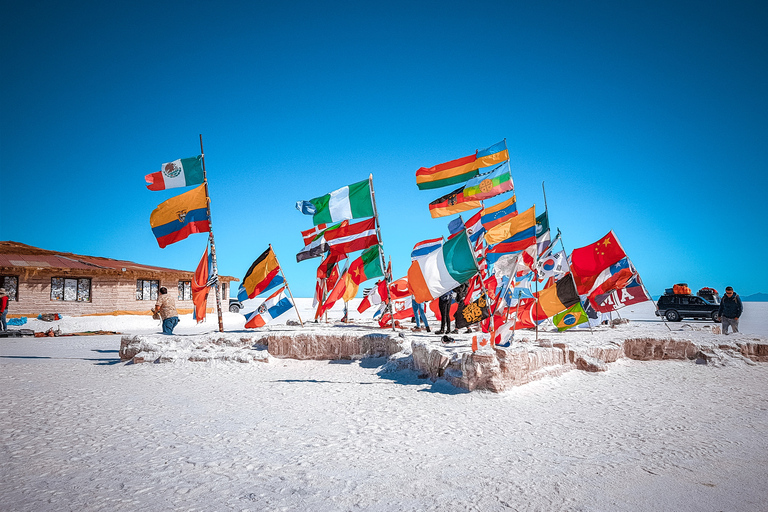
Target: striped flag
443, 270
498, 213
353, 237
461, 169
274, 306
426, 247
351, 202
183, 172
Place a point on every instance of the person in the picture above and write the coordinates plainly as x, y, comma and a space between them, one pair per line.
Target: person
730, 310
419, 315
444, 302
166, 308
461, 295
3, 309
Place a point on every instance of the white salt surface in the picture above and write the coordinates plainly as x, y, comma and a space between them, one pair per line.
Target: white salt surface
80, 430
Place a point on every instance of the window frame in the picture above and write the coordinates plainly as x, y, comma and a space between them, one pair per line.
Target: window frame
141, 288
15, 296
183, 288
78, 281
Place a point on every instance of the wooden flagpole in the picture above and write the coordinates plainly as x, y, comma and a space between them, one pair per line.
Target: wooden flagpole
387, 277
210, 238
286, 285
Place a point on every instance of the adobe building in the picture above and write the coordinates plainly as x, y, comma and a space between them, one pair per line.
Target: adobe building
39, 281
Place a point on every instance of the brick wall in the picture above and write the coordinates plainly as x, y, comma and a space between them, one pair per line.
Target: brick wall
109, 293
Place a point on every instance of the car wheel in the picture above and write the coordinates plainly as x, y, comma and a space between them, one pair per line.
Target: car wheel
673, 316
715, 318
234, 308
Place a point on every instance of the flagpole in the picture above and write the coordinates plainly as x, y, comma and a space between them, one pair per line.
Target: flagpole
210, 237
570, 271
640, 280
482, 285
388, 278
286, 285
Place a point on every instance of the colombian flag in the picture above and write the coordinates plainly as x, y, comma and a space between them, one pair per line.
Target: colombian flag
180, 216
461, 169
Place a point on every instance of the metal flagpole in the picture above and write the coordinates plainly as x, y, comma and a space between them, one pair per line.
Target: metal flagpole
387, 277
482, 284
286, 285
570, 271
210, 238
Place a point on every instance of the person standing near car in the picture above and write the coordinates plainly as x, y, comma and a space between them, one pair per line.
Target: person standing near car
730, 310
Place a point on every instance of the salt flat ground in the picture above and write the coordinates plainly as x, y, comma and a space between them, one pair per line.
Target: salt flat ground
81, 431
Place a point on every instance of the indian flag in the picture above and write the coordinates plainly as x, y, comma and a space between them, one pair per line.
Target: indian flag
350, 202
440, 271
183, 172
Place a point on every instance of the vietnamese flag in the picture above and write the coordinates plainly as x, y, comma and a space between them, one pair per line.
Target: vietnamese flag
367, 266
596, 257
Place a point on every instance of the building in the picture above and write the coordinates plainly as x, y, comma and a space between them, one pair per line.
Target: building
39, 281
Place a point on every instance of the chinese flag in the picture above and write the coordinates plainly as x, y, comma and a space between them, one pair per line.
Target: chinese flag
596, 257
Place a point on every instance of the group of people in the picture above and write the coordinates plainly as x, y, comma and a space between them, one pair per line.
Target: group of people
444, 304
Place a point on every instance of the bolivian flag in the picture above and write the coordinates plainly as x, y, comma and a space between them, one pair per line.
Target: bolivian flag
180, 216
461, 169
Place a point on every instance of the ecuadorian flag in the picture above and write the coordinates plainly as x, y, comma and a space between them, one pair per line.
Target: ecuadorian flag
180, 216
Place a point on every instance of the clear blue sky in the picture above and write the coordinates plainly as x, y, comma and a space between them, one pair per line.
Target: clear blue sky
648, 118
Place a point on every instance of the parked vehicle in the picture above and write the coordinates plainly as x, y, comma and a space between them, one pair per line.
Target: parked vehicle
675, 307
235, 305
709, 294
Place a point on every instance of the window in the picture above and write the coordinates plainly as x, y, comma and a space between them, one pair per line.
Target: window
146, 289
11, 285
185, 290
71, 289
225, 291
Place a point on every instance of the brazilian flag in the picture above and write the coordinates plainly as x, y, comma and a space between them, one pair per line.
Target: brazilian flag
571, 317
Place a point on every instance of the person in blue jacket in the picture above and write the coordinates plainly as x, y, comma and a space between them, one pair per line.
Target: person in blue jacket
730, 310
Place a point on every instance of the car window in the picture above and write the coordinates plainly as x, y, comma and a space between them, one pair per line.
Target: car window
684, 300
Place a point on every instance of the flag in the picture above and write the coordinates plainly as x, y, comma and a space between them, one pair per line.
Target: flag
183, 172
403, 308
551, 264
453, 202
558, 297
314, 249
494, 215
475, 227
617, 281
353, 237
259, 275
461, 169
523, 224
426, 247
399, 288
274, 306
200, 287
486, 186
443, 270
374, 296
632, 293
455, 226
311, 234
180, 216
367, 266
325, 267
350, 202
593, 258
477, 311
542, 232
336, 293
571, 317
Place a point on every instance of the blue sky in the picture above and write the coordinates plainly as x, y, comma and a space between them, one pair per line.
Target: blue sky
648, 118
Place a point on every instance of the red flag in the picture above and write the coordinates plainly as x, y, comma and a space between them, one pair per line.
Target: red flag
399, 289
334, 296
353, 237
593, 258
310, 234
200, 288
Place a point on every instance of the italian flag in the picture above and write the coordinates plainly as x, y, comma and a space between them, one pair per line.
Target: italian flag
350, 202
183, 172
438, 272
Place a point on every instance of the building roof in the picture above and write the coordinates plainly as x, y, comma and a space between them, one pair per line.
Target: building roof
18, 256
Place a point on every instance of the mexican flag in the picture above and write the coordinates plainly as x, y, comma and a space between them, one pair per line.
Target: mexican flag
440, 271
350, 202
183, 172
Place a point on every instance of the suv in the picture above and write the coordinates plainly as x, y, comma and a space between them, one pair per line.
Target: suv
676, 307
235, 305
